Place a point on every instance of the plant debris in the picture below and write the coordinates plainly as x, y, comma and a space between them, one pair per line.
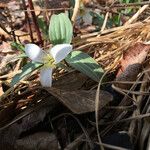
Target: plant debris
109, 57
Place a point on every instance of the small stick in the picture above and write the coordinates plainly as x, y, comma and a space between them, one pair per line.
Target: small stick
135, 16
52, 9
28, 21
111, 30
137, 117
105, 22
75, 11
131, 4
35, 21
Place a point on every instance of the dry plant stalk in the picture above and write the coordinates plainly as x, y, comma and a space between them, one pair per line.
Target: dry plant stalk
112, 43
136, 15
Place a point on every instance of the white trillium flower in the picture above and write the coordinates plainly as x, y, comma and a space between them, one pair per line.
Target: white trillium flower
50, 59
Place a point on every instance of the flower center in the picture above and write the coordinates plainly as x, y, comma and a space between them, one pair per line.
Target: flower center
48, 61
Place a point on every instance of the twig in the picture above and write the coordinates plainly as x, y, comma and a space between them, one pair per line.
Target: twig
28, 21
131, 4
52, 9
136, 15
46, 2
112, 30
127, 119
80, 124
105, 22
35, 21
97, 99
112, 146
77, 141
75, 11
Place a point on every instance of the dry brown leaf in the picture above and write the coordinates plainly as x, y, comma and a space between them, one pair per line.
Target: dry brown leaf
131, 64
134, 55
130, 74
7, 113
39, 140
80, 101
71, 81
5, 47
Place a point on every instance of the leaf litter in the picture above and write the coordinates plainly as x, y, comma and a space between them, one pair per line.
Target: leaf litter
29, 112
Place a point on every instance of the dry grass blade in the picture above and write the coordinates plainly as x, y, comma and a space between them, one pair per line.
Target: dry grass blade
129, 111
105, 22
76, 9
113, 147
77, 141
80, 124
112, 43
138, 117
97, 109
131, 20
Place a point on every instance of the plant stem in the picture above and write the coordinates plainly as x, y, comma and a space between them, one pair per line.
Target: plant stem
27, 17
35, 21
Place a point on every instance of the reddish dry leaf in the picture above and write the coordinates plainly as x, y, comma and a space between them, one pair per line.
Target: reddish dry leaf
131, 64
130, 74
134, 55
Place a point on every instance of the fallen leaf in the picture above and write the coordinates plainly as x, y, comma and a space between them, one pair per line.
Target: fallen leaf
25, 121
134, 55
131, 64
129, 74
80, 101
71, 81
5, 47
7, 113
39, 140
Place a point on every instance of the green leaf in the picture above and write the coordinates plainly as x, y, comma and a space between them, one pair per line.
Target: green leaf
117, 19
28, 68
60, 29
85, 64
17, 46
43, 27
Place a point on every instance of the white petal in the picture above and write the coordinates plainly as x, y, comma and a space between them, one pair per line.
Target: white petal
34, 52
46, 77
60, 51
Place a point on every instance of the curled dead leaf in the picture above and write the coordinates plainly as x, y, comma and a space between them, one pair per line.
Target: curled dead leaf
131, 64
136, 54
129, 74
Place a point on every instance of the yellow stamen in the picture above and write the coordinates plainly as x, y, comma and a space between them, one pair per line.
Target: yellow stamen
49, 61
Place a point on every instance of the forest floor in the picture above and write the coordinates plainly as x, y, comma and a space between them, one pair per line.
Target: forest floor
79, 111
